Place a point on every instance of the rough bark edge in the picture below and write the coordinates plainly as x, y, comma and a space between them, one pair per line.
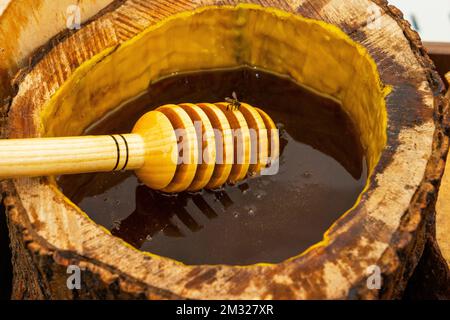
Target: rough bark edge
29, 280
422, 208
22, 67
39, 53
431, 279
419, 208
38, 267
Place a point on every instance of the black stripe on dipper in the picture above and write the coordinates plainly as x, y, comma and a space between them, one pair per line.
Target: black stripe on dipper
118, 153
128, 152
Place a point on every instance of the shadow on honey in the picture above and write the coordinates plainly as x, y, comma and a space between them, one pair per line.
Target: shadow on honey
263, 219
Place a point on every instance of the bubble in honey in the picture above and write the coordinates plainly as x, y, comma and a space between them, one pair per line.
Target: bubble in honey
117, 224
251, 210
259, 194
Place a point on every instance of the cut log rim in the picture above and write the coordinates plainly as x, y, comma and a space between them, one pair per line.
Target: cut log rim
42, 51
430, 181
15, 16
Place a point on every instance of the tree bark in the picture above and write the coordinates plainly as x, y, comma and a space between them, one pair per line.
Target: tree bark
26, 25
388, 228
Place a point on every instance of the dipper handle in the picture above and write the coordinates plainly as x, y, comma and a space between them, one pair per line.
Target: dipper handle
173, 149
72, 155
151, 150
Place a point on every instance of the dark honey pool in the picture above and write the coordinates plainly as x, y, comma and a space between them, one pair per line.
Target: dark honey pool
264, 219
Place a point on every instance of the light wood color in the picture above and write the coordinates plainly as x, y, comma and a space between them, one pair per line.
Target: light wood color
19, 21
205, 138
71, 155
387, 228
437, 48
447, 76
440, 54
443, 209
242, 146
165, 148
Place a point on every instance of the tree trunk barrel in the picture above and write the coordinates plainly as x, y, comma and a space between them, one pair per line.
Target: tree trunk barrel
361, 53
440, 248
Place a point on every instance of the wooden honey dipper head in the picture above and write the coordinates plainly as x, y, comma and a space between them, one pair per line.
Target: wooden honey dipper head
205, 145
175, 148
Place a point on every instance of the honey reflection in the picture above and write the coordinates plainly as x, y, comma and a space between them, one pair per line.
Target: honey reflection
156, 212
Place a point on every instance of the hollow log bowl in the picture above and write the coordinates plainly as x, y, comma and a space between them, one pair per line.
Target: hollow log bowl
360, 52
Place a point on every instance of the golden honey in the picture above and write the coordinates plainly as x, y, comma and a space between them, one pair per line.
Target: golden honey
263, 219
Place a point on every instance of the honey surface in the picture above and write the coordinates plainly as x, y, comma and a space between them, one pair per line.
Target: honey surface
264, 219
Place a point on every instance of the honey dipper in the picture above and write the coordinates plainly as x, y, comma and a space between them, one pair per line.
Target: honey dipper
175, 148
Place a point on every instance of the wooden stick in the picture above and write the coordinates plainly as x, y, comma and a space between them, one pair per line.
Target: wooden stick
152, 150
57, 156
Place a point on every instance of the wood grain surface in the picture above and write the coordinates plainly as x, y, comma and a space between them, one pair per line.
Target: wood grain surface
388, 228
